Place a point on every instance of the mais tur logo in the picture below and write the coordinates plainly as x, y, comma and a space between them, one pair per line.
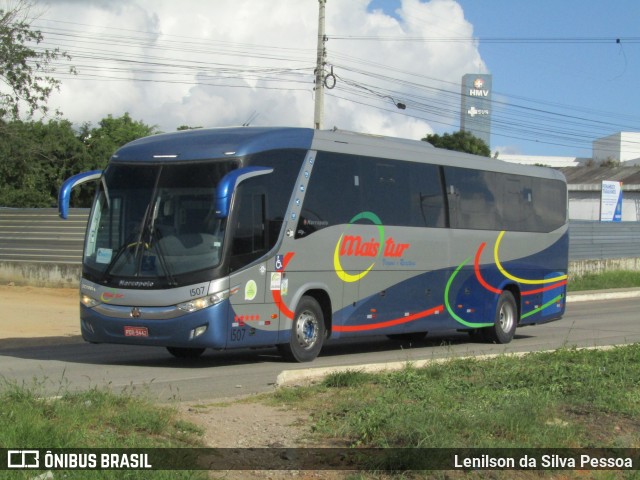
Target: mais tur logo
374, 247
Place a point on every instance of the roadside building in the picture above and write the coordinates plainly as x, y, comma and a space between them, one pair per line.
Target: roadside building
614, 158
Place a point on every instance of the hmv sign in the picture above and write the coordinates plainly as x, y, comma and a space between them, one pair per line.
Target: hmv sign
475, 112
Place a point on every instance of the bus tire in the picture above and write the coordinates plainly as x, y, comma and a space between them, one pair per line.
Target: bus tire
506, 320
308, 332
185, 353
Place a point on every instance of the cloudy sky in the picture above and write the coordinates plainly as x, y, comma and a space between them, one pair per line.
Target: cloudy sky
228, 62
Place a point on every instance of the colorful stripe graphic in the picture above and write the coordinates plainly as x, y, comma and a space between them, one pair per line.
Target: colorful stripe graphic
518, 279
389, 323
453, 314
555, 282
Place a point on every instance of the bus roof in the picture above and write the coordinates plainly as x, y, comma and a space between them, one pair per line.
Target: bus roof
199, 144
419, 151
233, 142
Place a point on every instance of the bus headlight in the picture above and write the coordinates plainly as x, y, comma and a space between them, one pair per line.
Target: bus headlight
203, 302
88, 302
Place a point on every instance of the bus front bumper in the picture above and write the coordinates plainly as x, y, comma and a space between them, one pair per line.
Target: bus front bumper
206, 328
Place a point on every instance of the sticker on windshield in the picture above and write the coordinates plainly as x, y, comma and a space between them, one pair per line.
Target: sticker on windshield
104, 255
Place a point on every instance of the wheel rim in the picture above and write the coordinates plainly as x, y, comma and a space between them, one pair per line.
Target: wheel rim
307, 329
507, 317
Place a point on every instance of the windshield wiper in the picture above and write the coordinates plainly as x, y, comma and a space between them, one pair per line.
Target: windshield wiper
161, 256
151, 215
138, 235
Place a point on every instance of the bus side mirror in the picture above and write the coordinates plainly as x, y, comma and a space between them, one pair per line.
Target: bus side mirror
64, 196
228, 184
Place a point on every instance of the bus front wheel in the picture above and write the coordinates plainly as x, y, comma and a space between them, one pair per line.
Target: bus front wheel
307, 332
506, 321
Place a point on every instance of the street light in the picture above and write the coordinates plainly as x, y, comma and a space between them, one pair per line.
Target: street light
399, 105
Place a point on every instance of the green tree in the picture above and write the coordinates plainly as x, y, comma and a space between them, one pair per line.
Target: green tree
36, 157
461, 141
111, 134
25, 67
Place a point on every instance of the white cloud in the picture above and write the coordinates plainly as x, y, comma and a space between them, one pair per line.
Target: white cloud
251, 34
507, 150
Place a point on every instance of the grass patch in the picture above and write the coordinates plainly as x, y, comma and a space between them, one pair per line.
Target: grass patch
92, 419
605, 281
348, 378
569, 398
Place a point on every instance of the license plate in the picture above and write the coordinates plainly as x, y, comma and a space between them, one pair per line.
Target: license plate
136, 332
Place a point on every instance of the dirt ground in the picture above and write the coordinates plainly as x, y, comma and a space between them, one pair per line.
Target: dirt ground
235, 423
32, 316
28, 312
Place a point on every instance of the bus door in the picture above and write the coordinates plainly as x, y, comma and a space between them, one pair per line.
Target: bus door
254, 317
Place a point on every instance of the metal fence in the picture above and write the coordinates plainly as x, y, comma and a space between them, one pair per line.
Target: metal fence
603, 240
40, 236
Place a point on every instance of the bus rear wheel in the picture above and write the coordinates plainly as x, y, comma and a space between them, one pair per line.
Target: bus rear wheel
506, 321
307, 332
185, 353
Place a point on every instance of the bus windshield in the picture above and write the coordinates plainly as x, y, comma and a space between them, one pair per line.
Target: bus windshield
156, 220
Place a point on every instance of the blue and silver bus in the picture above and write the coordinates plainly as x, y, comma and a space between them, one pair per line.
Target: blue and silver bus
244, 237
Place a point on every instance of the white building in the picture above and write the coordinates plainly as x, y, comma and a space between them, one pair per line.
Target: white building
555, 162
585, 190
623, 147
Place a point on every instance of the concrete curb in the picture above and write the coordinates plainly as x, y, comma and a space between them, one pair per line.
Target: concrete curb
603, 295
310, 375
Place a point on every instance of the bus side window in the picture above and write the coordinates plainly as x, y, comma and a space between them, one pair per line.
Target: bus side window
427, 202
386, 190
249, 236
472, 202
333, 194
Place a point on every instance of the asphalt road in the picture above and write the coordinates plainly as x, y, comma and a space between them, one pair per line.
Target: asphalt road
58, 364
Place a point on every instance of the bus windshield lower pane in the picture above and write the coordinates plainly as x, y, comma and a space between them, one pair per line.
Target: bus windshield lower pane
156, 220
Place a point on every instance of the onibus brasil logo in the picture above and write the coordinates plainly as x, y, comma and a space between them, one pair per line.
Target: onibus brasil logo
357, 246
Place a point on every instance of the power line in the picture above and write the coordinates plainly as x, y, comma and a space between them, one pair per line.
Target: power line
119, 55
512, 120
488, 40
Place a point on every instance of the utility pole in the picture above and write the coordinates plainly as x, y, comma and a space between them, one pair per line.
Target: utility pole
318, 112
